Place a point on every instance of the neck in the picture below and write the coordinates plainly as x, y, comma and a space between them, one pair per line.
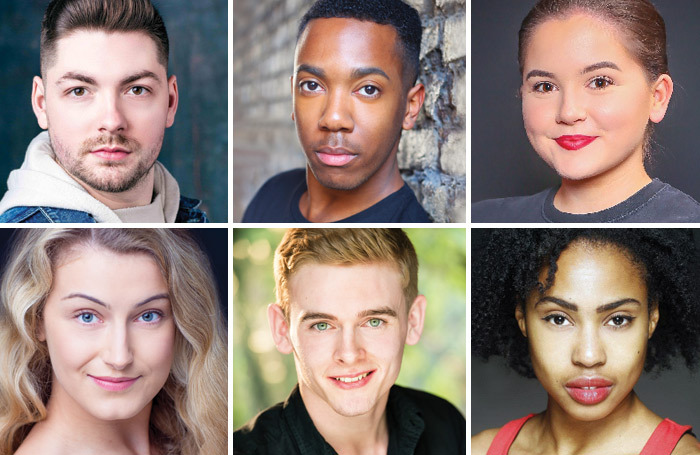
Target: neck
357, 435
625, 430
605, 190
320, 204
69, 428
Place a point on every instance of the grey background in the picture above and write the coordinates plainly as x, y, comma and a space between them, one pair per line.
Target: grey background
503, 161
499, 394
195, 148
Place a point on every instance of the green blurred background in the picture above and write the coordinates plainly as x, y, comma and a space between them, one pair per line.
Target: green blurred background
437, 364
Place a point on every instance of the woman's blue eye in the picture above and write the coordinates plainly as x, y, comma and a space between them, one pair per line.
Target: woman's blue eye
150, 316
87, 318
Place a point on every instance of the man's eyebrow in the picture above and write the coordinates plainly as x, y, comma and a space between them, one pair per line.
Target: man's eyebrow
100, 302
384, 311
316, 315
315, 70
600, 65
539, 73
73, 76
140, 75
367, 71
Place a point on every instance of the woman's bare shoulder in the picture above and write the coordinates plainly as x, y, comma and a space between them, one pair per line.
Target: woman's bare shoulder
482, 441
688, 445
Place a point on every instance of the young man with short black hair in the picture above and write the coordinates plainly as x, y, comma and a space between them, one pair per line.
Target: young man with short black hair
354, 90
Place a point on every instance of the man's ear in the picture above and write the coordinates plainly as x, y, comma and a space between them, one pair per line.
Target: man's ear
172, 101
279, 328
653, 318
520, 317
39, 102
414, 101
416, 318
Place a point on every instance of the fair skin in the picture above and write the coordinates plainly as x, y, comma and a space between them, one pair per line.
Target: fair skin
106, 101
110, 334
348, 343
594, 323
579, 79
351, 102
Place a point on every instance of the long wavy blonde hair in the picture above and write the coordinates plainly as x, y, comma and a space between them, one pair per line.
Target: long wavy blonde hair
189, 414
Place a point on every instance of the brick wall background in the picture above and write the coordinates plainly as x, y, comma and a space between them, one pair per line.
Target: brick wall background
432, 156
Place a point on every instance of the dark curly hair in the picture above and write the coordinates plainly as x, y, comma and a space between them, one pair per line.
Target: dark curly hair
505, 268
402, 17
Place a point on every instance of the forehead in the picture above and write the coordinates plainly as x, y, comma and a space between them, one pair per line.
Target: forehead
344, 44
596, 274
575, 41
105, 55
345, 289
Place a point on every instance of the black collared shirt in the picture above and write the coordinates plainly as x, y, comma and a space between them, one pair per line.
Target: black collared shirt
419, 424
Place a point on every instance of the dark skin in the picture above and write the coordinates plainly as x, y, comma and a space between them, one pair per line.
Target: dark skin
351, 102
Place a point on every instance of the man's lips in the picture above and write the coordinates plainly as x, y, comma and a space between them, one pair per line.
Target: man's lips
352, 381
335, 156
574, 142
589, 390
114, 384
111, 153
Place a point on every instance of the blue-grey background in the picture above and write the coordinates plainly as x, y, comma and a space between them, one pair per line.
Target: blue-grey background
503, 161
499, 394
195, 148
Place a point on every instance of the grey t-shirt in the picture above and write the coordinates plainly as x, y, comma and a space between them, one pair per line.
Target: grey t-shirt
657, 202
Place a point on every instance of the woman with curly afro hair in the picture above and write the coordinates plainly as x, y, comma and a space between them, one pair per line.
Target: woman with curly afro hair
585, 311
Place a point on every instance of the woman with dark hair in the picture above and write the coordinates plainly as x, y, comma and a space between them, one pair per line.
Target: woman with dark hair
585, 311
595, 79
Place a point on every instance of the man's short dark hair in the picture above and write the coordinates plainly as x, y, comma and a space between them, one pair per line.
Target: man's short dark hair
63, 17
396, 13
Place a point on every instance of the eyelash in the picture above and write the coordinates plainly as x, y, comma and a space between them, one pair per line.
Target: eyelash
382, 322
78, 317
303, 86
71, 93
539, 86
627, 320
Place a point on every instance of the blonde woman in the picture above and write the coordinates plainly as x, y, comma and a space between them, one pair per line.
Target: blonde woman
111, 341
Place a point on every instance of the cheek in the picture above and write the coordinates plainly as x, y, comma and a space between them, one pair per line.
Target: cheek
157, 350
538, 117
67, 349
626, 114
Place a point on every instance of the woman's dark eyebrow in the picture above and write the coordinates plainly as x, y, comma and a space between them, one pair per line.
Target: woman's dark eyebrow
613, 305
314, 70
600, 65
539, 73
601, 309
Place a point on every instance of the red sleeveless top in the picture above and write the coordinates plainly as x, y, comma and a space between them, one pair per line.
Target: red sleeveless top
662, 441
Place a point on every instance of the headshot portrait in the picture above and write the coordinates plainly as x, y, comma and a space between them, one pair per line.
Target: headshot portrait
585, 111
363, 349
114, 111
111, 341
585, 341
349, 111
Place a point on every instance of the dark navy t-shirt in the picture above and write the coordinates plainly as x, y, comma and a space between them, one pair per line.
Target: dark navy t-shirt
278, 202
657, 202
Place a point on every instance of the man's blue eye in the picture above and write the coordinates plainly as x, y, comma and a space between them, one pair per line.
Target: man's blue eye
321, 326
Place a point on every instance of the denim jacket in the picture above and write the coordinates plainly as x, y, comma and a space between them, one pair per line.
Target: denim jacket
188, 212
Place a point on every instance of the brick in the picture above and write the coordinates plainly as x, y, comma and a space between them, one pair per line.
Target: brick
455, 39
430, 39
459, 97
453, 155
418, 149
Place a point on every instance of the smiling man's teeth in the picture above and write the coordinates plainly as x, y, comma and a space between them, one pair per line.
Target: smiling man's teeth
355, 379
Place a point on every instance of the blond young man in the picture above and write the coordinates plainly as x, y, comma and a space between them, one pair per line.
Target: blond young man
347, 304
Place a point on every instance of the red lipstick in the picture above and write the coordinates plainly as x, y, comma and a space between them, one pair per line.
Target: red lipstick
574, 142
335, 156
112, 384
352, 381
589, 391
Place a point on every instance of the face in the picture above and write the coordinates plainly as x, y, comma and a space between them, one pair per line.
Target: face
586, 101
347, 332
106, 102
110, 333
588, 333
350, 100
